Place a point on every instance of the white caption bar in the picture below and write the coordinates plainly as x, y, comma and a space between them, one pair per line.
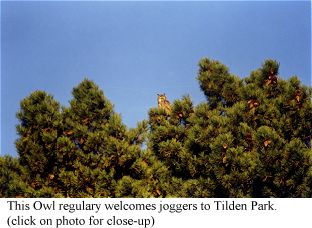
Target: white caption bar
154, 213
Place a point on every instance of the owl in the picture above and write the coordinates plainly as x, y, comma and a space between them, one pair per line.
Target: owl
164, 103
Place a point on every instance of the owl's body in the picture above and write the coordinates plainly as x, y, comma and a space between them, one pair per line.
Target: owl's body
164, 103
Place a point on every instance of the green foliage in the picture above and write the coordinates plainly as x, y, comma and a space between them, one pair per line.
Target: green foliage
39, 131
13, 179
250, 138
240, 142
81, 151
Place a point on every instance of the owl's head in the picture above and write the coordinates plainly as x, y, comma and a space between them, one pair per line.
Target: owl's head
161, 98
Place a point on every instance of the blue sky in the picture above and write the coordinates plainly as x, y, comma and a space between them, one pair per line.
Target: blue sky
134, 50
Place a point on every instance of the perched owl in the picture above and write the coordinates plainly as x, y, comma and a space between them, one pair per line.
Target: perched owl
164, 103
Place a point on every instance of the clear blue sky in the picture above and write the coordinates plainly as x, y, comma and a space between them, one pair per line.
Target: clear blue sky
134, 50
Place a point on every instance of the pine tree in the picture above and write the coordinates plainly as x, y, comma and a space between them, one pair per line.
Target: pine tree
251, 138
96, 150
38, 132
81, 151
252, 131
169, 147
